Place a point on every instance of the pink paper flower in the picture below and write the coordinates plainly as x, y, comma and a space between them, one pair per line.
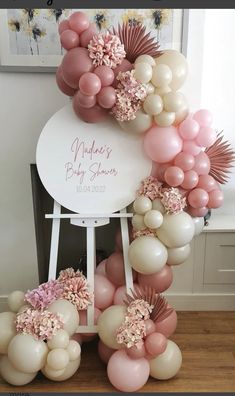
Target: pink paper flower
75, 288
45, 294
150, 188
140, 309
173, 200
68, 273
131, 332
106, 49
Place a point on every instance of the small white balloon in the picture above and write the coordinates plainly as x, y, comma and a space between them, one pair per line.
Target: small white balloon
157, 205
58, 359
153, 104
176, 230
143, 72
162, 90
165, 118
69, 314
198, 224
141, 123
53, 373
59, 340
174, 101
167, 364
150, 88
162, 75
108, 323
181, 115
7, 330
69, 371
153, 219
16, 300
178, 65
142, 205
138, 222
74, 350
145, 59
13, 376
178, 255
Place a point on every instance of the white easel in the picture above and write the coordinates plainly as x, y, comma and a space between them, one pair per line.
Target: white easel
90, 222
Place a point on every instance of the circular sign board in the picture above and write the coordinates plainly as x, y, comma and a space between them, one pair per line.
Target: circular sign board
90, 168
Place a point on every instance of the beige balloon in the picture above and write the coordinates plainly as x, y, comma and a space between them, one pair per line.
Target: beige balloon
7, 330
198, 224
138, 222
142, 205
53, 373
181, 115
165, 118
153, 104
58, 359
27, 354
174, 101
143, 72
157, 205
147, 255
59, 340
150, 88
108, 323
178, 65
166, 365
69, 314
70, 370
141, 123
145, 59
153, 219
178, 255
11, 375
177, 230
162, 90
74, 350
16, 300
162, 75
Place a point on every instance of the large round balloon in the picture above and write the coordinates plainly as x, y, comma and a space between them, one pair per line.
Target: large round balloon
166, 365
178, 255
162, 144
178, 65
108, 323
13, 376
68, 312
177, 230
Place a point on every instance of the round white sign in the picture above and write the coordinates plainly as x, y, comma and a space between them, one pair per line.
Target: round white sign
90, 168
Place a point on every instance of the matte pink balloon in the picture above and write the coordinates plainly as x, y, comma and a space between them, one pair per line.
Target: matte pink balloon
203, 117
189, 129
149, 327
185, 161
120, 295
84, 100
65, 88
161, 169
162, 144
190, 147
126, 374
207, 183
93, 115
190, 180
216, 199
115, 269
87, 35
168, 325
89, 84
105, 74
197, 212
198, 198
69, 39
75, 63
64, 25
202, 164
103, 292
107, 97
174, 176
156, 344
105, 352
136, 353
100, 269
206, 137
79, 22
160, 281
83, 321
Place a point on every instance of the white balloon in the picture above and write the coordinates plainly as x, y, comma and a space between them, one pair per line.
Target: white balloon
150, 88
198, 224
138, 222
143, 72
178, 255
157, 205
181, 115
70, 370
174, 101
141, 123
153, 219
146, 59
142, 205
13, 376
7, 330
108, 323
58, 359
74, 350
178, 65
53, 373
16, 300
162, 75
59, 340
165, 118
147, 255
177, 230
166, 365
69, 314
153, 104
162, 90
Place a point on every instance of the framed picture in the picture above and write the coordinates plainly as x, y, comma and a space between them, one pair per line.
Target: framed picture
29, 39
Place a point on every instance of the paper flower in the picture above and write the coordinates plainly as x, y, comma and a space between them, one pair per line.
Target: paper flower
131, 332
106, 49
173, 200
45, 294
68, 273
75, 290
140, 309
145, 232
151, 188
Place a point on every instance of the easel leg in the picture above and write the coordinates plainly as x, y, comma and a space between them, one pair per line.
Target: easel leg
91, 264
54, 242
125, 245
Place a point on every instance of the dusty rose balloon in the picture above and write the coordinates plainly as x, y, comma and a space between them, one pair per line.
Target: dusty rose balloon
100, 269
206, 137
126, 374
136, 352
115, 269
82, 100
79, 22
92, 115
198, 198
190, 180
216, 199
123, 67
69, 39
189, 129
75, 63
203, 117
168, 325
190, 147
185, 161
107, 97
89, 84
83, 320
65, 88
160, 172
149, 327
120, 295
77, 337
160, 281
87, 35
174, 176
207, 182
103, 292
105, 352
156, 344
202, 164
162, 144
118, 240
64, 25
197, 212
105, 74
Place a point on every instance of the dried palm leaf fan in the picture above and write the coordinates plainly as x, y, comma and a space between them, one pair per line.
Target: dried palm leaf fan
136, 42
221, 157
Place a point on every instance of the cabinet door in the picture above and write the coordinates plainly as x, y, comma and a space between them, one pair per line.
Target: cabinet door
220, 258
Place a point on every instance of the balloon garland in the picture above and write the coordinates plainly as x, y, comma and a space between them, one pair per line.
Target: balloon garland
122, 73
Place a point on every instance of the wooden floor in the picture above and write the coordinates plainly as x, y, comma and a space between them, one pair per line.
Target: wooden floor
207, 342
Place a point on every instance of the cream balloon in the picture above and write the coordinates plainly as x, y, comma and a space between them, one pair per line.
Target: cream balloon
167, 364
59, 340
150, 88
153, 219
157, 205
198, 224
177, 230
70, 370
143, 72
7, 330
58, 359
53, 373
174, 101
147, 255
74, 350
162, 75
16, 300
178, 65
165, 118
162, 90
142, 205
108, 323
181, 115
153, 104
68, 312
11, 375
141, 123
27, 354
138, 222
145, 59
178, 255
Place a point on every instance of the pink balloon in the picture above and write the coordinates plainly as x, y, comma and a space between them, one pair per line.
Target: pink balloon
160, 281
64, 25
189, 129
162, 144
174, 176
82, 100
123, 67
107, 97
203, 117
126, 374
79, 22
83, 320
136, 352
65, 88
77, 337
120, 295
185, 161
89, 84
197, 212
87, 35
216, 199
206, 137
69, 39
168, 325
190, 180
155, 344
115, 269
202, 164
198, 198
190, 147
161, 169
207, 183
100, 269
105, 352
103, 292
118, 240
149, 326
75, 63
105, 74
92, 115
